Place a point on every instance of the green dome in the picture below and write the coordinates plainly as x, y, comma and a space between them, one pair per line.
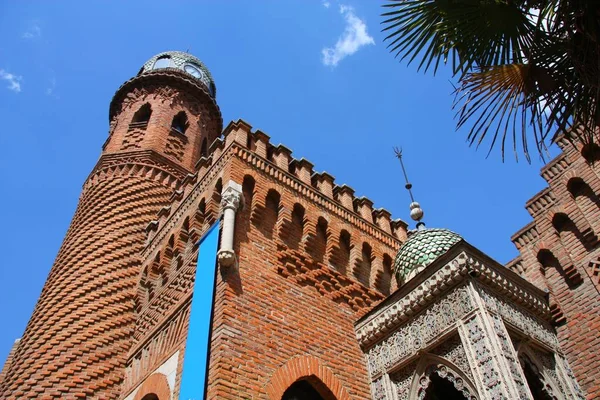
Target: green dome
420, 249
184, 62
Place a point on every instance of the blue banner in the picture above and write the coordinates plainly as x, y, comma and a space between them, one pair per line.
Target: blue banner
195, 361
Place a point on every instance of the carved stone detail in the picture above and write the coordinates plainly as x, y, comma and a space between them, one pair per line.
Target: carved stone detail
380, 323
378, 389
420, 332
446, 373
510, 356
520, 318
402, 380
453, 351
482, 354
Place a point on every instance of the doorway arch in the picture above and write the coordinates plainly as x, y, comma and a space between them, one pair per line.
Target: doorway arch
308, 368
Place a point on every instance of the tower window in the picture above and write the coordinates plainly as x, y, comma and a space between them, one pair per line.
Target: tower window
193, 70
180, 122
162, 62
141, 116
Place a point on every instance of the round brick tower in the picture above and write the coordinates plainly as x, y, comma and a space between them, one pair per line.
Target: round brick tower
76, 342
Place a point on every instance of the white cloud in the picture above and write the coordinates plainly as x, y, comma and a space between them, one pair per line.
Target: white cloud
14, 81
354, 37
33, 32
326, 4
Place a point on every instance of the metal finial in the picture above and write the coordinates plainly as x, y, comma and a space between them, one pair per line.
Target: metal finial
416, 213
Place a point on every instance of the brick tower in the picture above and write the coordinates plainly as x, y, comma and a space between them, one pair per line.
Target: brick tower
76, 342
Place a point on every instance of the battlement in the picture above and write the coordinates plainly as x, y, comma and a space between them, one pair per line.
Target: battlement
240, 134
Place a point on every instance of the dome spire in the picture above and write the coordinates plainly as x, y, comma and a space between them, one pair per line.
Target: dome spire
416, 213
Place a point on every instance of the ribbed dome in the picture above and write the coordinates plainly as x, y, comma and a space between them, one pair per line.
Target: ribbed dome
420, 249
184, 62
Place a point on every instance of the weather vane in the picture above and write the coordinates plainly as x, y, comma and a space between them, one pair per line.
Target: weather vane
416, 213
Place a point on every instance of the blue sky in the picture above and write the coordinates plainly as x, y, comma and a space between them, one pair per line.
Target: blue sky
315, 76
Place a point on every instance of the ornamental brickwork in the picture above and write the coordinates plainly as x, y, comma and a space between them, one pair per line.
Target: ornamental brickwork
83, 326
560, 253
310, 259
301, 261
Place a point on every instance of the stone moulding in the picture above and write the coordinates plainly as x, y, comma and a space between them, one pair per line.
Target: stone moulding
440, 277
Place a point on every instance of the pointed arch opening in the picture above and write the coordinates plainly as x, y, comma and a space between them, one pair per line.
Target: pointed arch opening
180, 122
141, 117
436, 380
271, 212
304, 390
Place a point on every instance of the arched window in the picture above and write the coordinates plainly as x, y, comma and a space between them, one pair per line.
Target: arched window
362, 271
141, 116
150, 396
162, 62
180, 122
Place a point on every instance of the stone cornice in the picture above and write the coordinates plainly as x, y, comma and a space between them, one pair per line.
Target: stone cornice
460, 263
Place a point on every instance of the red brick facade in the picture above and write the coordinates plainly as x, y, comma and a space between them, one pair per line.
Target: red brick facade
112, 319
76, 342
560, 253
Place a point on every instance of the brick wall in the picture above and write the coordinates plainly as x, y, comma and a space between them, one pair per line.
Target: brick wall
560, 253
77, 341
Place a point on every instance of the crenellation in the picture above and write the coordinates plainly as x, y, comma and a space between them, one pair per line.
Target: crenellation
261, 142
400, 229
383, 219
555, 168
364, 208
324, 183
164, 211
216, 148
238, 132
303, 169
282, 156
344, 194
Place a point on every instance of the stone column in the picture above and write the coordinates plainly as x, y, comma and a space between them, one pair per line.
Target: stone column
231, 200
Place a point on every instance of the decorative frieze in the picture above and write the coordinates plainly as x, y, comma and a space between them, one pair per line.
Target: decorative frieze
520, 318
420, 333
